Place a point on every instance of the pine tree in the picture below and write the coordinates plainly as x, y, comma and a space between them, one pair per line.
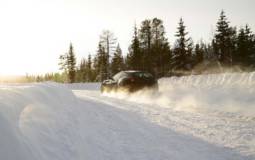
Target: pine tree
154, 51
161, 55
89, 69
242, 52
224, 40
108, 43
63, 62
134, 57
199, 54
100, 64
252, 55
245, 47
182, 50
68, 64
71, 64
81, 73
145, 38
117, 64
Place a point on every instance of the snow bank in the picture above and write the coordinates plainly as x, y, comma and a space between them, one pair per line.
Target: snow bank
229, 92
36, 122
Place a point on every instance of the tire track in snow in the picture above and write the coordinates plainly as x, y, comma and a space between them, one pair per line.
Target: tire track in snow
220, 130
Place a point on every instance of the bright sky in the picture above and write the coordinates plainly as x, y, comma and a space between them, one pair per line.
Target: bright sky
33, 33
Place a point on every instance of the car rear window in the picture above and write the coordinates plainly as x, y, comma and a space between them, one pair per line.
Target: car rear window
142, 75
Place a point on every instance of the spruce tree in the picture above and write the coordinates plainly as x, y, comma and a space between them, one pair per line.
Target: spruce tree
89, 69
134, 57
154, 51
71, 64
117, 64
245, 47
63, 62
182, 54
161, 55
241, 55
224, 41
252, 55
82, 71
145, 38
100, 64
63, 66
199, 54
108, 43
68, 64
96, 67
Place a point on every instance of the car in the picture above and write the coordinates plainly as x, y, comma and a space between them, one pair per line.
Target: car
130, 81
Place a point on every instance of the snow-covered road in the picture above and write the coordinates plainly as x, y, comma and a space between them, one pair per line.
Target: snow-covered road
197, 117
131, 131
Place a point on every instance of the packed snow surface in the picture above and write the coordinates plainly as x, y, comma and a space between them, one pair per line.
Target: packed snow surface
207, 117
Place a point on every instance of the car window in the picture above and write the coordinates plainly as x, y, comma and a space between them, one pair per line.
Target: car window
137, 74
142, 75
147, 75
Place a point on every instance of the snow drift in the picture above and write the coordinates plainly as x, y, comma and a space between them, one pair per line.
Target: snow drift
36, 122
229, 92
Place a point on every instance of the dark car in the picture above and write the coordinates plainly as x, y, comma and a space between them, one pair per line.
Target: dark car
130, 81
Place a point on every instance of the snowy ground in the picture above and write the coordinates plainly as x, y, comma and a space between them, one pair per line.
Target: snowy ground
197, 117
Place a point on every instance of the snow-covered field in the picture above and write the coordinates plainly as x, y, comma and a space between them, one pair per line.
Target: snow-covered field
210, 117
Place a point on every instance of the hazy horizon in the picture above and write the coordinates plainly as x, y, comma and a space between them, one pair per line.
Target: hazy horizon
35, 32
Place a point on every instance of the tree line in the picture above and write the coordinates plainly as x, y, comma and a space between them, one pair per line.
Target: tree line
230, 48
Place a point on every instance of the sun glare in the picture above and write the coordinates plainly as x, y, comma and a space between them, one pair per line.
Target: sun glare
34, 33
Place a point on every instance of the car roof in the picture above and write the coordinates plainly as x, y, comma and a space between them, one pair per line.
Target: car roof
132, 71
